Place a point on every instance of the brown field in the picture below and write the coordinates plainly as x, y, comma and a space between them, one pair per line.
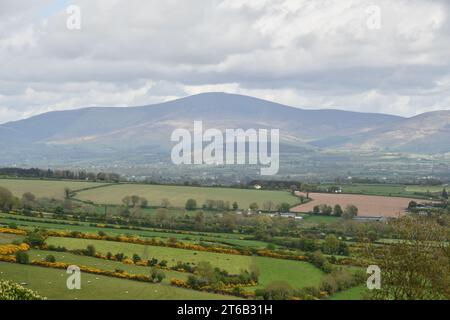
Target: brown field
369, 206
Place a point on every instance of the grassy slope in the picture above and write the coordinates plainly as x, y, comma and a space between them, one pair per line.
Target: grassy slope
298, 274
228, 238
51, 283
356, 293
178, 195
102, 264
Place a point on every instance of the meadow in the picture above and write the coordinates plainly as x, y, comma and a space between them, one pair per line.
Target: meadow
84, 227
44, 188
297, 273
51, 283
178, 195
390, 190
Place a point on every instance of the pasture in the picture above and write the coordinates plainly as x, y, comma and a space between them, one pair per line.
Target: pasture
369, 206
51, 283
178, 195
297, 273
44, 188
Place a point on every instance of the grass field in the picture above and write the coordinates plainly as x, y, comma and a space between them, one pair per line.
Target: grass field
297, 273
226, 238
178, 195
8, 238
51, 283
102, 264
356, 293
396, 190
44, 188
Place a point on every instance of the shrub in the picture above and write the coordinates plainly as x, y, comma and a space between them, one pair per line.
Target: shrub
22, 257
50, 258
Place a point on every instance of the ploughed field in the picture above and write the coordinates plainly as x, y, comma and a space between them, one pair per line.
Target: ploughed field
369, 206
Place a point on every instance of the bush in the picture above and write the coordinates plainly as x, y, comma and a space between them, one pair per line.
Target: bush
22, 257
50, 258
156, 275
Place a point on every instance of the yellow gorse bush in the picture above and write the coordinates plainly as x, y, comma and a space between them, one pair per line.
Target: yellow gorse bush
10, 249
13, 231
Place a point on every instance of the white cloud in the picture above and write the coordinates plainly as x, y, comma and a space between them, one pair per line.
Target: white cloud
306, 53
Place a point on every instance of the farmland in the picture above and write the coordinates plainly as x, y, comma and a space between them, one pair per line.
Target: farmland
369, 206
44, 188
51, 283
299, 274
178, 195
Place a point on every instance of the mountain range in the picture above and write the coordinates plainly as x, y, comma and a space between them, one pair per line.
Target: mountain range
105, 134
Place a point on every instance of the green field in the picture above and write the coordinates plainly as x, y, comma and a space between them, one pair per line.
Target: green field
8, 238
102, 264
396, 190
225, 238
44, 188
297, 273
356, 293
51, 283
178, 195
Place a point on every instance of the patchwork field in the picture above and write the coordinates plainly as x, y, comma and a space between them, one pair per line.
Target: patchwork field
44, 188
298, 274
51, 283
369, 206
178, 195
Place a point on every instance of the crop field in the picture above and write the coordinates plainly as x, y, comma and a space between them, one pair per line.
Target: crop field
297, 273
178, 195
51, 283
369, 206
44, 188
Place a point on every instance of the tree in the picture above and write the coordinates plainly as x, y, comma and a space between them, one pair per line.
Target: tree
144, 202
326, 210
445, 194
156, 275
316, 210
235, 206
90, 250
165, 203
35, 238
28, 200
416, 266
331, 244
350, 212
136, 258
67, 193
268, 206
191, 205
254, 207
135, 200
338, 211
126, 201
284, 207
6, 200
22, 257
199, 218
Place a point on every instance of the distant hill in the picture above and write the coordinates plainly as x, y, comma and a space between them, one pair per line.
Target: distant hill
107, 133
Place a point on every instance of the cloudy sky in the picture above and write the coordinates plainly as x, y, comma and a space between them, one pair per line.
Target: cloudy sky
393, 57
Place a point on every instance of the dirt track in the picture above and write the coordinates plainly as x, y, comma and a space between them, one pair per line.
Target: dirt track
369, 206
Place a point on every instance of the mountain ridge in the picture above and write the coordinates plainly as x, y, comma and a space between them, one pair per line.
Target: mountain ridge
97, 131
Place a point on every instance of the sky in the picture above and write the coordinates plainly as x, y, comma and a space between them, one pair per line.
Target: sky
389, 56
